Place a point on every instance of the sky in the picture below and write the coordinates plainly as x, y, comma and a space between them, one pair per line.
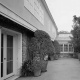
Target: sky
63, 12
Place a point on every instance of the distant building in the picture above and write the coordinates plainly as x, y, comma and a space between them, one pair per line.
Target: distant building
66, 48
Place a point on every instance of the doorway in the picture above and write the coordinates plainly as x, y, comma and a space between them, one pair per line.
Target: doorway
10, 53
7, 55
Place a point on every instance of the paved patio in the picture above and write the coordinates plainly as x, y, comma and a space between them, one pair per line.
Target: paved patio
62, 69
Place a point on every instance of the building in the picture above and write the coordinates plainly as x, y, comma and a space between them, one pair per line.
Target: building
18, 21
66, 48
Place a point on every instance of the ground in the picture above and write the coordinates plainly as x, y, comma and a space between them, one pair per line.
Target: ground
62, 69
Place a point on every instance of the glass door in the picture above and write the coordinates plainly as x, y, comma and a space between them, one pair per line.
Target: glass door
6, 56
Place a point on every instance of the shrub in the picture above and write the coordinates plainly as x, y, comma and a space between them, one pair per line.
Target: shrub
41, 34
36, 63
39, 46
26, 69
31, 66
34, 47
46, 46
57, 49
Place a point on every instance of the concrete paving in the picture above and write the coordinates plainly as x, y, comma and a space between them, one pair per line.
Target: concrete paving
62, 69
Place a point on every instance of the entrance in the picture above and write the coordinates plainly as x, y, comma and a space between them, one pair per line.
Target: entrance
6, 55
10, 53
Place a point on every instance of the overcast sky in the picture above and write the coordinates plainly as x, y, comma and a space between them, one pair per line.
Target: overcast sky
63, 12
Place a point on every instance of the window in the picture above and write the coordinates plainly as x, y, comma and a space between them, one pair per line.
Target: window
65, 47
70, 48
61, 48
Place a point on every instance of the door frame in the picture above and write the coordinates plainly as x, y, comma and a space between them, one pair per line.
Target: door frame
17, 39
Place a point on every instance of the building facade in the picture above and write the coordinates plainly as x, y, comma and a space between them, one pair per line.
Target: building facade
66, 48
19, 19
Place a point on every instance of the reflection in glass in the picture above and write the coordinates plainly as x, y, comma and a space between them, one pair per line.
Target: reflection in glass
9, 67
9, 54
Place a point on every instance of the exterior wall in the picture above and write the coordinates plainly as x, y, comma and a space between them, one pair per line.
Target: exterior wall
18, 8
25, 42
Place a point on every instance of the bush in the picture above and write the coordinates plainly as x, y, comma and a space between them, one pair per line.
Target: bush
31, 66
36, 63
41, 34
39, 46
46, 46
57, 48
26, 69
34, 47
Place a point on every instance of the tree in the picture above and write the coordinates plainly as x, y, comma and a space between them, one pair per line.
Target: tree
75, 40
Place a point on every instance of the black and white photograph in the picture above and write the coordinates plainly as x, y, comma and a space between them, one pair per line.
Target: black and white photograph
39, 39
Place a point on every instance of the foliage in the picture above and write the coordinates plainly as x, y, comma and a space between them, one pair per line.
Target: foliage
46, 46
36, 63
39, 46
26, 68
30, 66
34, 47
41, 34
75, 40
56, 46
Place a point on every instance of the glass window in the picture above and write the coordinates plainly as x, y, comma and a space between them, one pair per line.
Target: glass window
9, 54
61, 48
65, 47
70, 47
9, 67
